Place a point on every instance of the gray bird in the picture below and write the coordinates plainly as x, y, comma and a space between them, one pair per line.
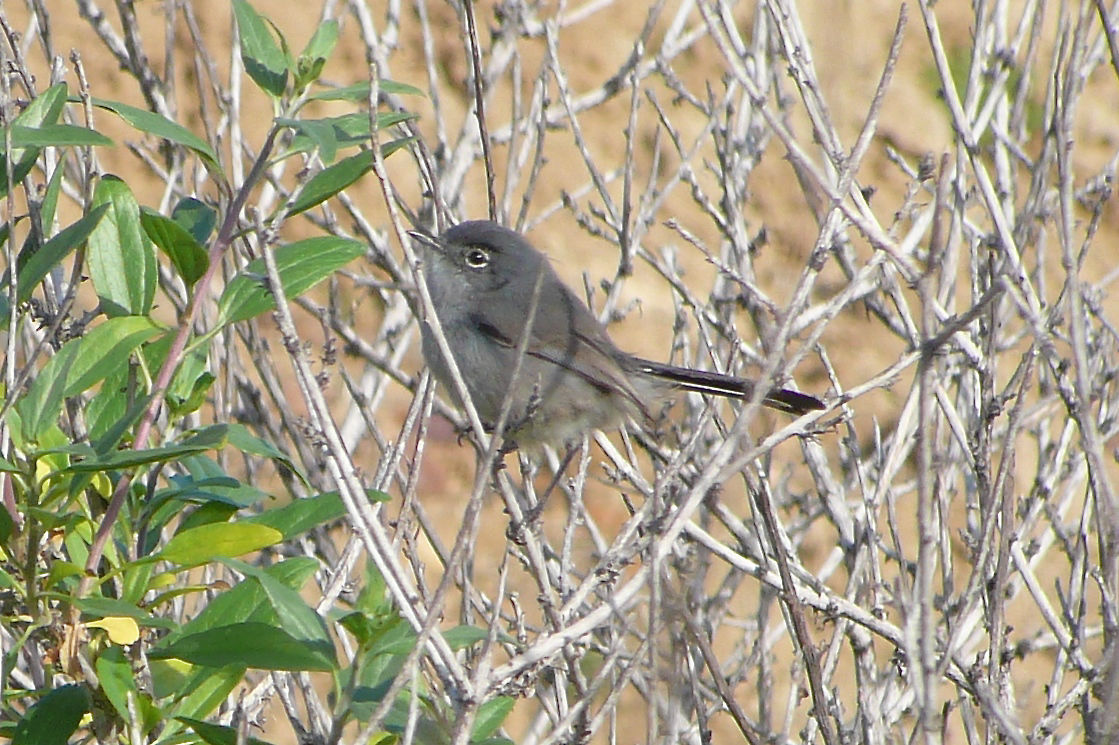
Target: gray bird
483, 278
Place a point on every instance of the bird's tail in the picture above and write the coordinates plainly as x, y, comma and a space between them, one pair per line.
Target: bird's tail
701, 381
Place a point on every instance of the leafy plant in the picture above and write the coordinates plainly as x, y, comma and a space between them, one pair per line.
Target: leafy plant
119, 547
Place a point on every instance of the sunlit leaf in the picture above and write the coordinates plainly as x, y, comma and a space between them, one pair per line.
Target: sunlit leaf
122, 630
256, 645
121, 259
264, 60
54, 718
301, 265
161, 126
186, 253
359, 92
217, 540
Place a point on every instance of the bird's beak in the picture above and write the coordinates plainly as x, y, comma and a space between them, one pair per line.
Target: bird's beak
428, 240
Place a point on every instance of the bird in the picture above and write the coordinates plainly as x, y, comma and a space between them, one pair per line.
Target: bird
492, 292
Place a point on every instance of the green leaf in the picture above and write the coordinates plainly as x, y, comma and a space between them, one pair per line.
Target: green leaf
37, 265
217, 540
257, 645
301, 515
392, 637
296, 617
198, 218
113, 418
121, 258
392, 146
374, 599
56, 135
318, 133
43, 111
40, 408
207, 438
192, 366
241, 438
329, 181
359, 92
461, 637
186, 253
247, 601
222, 490
264, 61
301, 265
330, 133
103, 350
49, 205
198, 694
99, 606
207, 514
490, 716
114, 673
54, 718
7, 528
216, 734
310, 63
161, 126
323, 41
181, 406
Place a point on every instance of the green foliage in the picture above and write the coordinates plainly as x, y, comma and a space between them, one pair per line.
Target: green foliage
84, 465
54, 718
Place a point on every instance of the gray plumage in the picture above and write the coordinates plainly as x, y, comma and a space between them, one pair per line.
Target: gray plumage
483, 278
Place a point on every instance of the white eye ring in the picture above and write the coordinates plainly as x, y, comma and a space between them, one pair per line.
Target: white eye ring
476, 258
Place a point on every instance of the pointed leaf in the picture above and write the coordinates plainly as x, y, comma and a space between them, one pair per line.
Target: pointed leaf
105, 349
241, 438
40, 408
56, 135
295, 616
339, 131
161, 126
122, 630
264, 61
99, 606
359, 92
35, 267
329, 181
301, 265
49, 205
54, 718
310, 63
197, 217
323, 41
490, 717
207, 438
217, 540
121, 258
217, 734
302, 515
257, 645
114, 673
187, 255
202, 692
44, 110
461, 637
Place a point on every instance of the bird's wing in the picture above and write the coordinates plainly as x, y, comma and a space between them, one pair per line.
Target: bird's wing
567, 335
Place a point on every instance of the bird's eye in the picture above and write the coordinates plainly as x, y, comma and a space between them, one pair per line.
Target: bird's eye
476, 258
